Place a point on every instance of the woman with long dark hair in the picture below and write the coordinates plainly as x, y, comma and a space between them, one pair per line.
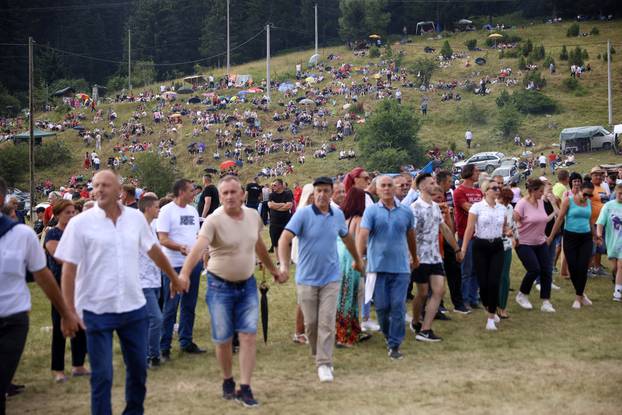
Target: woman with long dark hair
576, 210
63, 211
348, 327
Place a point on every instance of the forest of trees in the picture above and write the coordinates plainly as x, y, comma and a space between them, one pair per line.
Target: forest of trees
87, 40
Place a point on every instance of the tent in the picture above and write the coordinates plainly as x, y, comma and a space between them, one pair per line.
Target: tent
169, 95
314, 59
37, 134
240, 80
194, 79
423, 27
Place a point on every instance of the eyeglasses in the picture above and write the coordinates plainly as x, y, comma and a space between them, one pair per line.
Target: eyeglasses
365, 177
588, 195
495, 188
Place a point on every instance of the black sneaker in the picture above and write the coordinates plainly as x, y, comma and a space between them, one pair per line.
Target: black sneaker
153, 362
14, 389
415, 327
440, 316
475, 306
193, 349
395, 354
165, 356
245, 397
427, 336
228, 389
462, 310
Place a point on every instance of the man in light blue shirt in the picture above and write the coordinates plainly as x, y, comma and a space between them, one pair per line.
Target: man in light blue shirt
317, 273
389, 229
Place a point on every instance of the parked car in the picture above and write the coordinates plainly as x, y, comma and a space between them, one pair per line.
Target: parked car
509, 173
582, 139
487, 161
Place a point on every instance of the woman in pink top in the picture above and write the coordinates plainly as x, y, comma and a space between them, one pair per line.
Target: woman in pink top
532, 250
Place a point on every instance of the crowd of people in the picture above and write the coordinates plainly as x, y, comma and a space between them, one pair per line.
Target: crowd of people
121, 258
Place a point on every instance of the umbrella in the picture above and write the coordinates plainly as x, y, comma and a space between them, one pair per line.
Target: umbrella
314, 59
233, 99
310, 80
194, 100
227, 164
464, 21
263, 290
306, 101
495, 36
185, 90
375, 36
480, 61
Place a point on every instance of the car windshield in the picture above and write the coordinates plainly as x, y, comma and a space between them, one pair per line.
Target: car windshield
501, 172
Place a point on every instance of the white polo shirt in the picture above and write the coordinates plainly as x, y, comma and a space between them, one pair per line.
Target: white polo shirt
182, 226
19, 250
107, 256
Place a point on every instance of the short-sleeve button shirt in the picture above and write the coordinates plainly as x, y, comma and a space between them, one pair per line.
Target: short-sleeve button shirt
490, 220
428, 218
107, 256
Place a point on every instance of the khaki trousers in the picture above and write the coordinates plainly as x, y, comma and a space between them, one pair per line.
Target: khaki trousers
319, 307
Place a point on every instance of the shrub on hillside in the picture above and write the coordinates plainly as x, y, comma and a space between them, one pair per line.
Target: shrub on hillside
522, 65
52, 153
155, 172
563, 55
510, 53
571, 84
533, 102
536, 77
63, 109
9, 105
527, 47
594, 31
585, 55
388, 52
446, 50
423, 68
508, 120
116, 84
13, 158
503, 98
575, 57
507, 38
538, 53
471, 44
374, 52
472, 114
573, 30
548, 61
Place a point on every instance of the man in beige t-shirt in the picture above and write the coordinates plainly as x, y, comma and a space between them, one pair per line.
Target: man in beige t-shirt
232, 233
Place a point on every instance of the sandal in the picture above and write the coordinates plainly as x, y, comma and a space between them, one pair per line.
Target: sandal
363, 336
300, 338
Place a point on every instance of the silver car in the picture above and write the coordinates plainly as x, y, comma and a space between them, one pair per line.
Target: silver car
509, 173
487, 161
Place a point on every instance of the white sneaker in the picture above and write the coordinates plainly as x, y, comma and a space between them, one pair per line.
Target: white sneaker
538, 287
370, 325
407, 318
547, 307
555, 286
585, 300
490, 324
576, 305
497, 319
523, 301
617, 295
325, 374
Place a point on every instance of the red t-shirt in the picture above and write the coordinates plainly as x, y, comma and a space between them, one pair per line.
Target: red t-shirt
552, 157
461, 195
47, 215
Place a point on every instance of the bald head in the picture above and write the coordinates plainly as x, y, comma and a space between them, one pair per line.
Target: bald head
106, 188
385, 189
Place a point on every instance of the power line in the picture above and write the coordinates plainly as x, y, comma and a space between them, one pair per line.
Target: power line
69, 7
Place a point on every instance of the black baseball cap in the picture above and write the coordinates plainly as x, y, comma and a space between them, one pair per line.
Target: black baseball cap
322, 180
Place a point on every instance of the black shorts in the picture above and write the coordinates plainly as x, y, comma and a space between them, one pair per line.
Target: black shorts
542, 165
421, 274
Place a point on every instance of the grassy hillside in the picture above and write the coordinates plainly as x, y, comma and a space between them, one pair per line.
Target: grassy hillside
446, 121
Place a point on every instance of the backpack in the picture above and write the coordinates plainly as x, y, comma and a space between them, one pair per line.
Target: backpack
6, 225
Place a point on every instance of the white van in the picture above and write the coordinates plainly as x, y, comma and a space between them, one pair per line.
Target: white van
582, 139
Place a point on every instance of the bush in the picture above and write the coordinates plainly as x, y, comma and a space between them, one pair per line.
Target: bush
535, 77
522, 65
533, 102
13, 163
503, 98
507, 38
388, 52
575, 57
573, 30
63, 109
510, 53
116, 84
358, 108
472, 114
9, 105
446, 50
548, 61
52, 153
538, 53
594, 31
585, 55
423, 68
471, 44
155, 172
374, 52
508, 120
527, 48
563, 55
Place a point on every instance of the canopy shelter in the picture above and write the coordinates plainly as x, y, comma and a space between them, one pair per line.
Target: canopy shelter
241, 81
68, 91
424, 27
314, 59
194, 80
37, 134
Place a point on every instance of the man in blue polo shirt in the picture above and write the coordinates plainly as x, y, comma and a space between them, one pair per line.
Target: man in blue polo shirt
389, 228
317, 273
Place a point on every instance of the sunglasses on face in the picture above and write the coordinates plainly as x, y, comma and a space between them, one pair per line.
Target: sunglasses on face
588, 195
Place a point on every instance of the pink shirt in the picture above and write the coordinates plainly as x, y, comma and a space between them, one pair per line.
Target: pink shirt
533, 222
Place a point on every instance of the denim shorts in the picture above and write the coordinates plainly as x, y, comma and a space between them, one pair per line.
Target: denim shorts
233, 307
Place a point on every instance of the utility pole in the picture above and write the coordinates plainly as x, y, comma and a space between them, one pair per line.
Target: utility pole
228, 47
316, 46
268, 62
609, 83
31, 123
129, 60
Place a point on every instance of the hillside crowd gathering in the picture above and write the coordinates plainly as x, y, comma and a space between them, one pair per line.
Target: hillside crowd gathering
117, 257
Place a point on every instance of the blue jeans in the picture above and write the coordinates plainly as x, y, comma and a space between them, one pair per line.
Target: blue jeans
155, 321
233, 307
470, 286
390, 301
186, 314
131, 327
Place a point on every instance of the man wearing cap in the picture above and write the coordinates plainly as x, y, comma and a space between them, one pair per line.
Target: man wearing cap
317, 273
601, 196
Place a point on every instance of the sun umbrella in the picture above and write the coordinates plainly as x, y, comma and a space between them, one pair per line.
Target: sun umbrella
227, 164
314, 59
375, 36
377, 76
263, 290
310, 80
233, 99
495, 36
307, 101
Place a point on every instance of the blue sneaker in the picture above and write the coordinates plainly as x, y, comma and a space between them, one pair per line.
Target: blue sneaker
228, 389
245, 397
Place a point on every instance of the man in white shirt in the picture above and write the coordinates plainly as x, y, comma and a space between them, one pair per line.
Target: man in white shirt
468, 136
178, 226
20, 251
100, 253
